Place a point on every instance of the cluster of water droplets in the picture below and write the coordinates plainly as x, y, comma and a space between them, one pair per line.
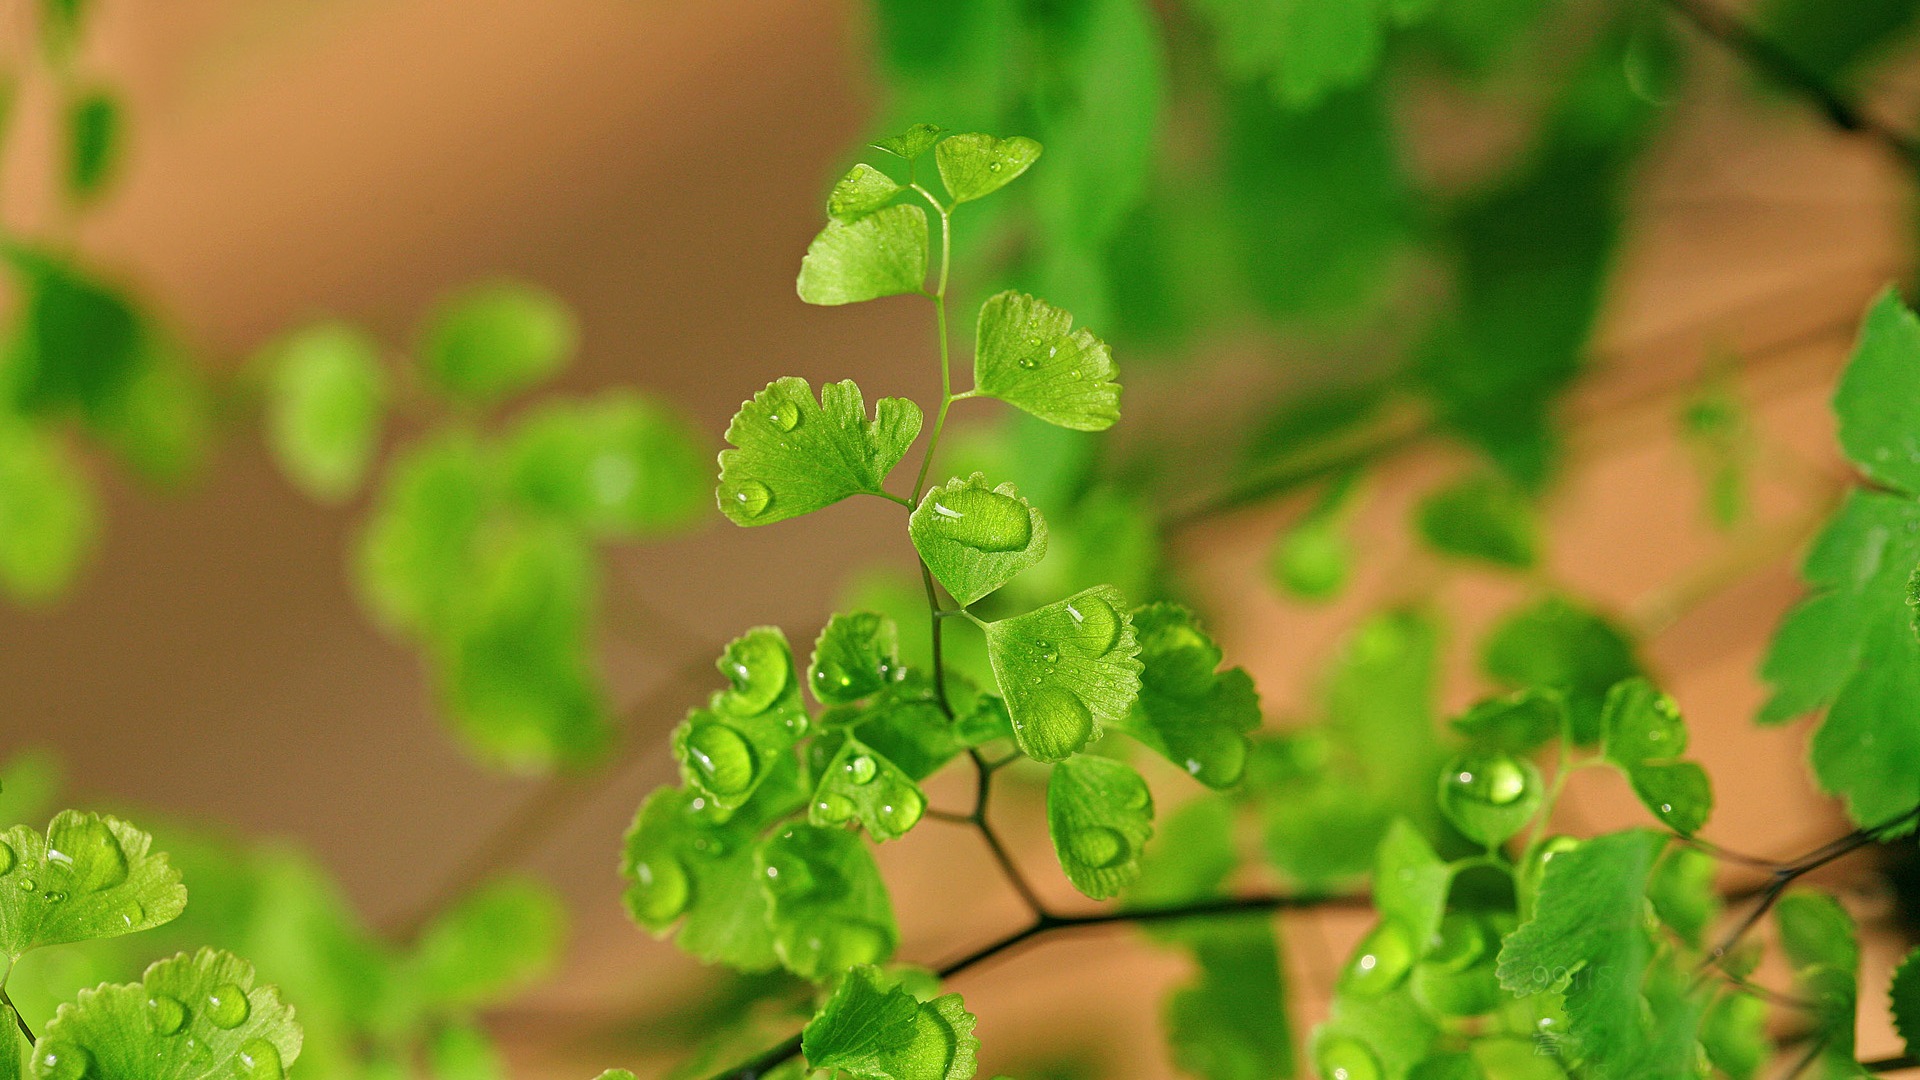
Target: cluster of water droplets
1088, 628
224, 1008
724, 760
896, 803
88, 859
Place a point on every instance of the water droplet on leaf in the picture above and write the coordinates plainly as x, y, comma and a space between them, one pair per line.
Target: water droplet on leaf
55, 896
1054, 723
1379, 962
165, 1015
28, 884
261, 1060
1346, 1059
227, 1006
833, 809
661, 889
721, 758
784, 415
58, 1060
759, 668
750, 497
862, 769
984, 520
1098, 847
1097, 625
904, 811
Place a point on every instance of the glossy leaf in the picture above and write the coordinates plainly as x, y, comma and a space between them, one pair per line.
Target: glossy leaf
911, 143
881, 254
618, 465
88, 877
1905, 998
327, 399
1482, 519
486, 342
1559, 645
857, 655
825, 901
974, 538
1410, 884
862, 191
1028, 355
1100, 815
974, 166
861, 784
1067, 670
873, 1031
197, 1017
793, 455
492, 943
48, 516
744, 736
1187, 711
692, 865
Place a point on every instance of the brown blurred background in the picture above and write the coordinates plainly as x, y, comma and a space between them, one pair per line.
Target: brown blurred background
659, 164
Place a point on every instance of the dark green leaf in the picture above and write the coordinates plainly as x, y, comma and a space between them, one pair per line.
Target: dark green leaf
1300, 48
489, 341
1558, 645
873, 1031
1100, 815
1481, 518
326, 401
1905, 998
794, 455
1067, 670
94, 134
79, 343
974, 538
1028, 355
1231, 1022
1187, 711
881, 254
826, 902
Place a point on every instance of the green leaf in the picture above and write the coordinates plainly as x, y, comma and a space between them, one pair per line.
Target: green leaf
1100, 815
974, 538
873, 1031
196, 1017
1410, 884
327, 398
690, 864
794, 455
728, 749
974, 166
1028, 355
1312, 560
1821, 943
1558, 645
881, 254
94, 133
1490, 795
857, 655
1643, 733
825, 901
462, 1051
90, 876
79, 343
1590, 918
862, 191
1850, 646
1187, 711
1067, 670
1682, 893
1231, 1022
1518, 723
1905, 999
1878, 420
1481, 518
489, 341
1734, 1034
494, 942
1300, 48
1379, 1036
48, 518
906, 725
1196, 855
912, 142
1678, 793
860, 784
618, 465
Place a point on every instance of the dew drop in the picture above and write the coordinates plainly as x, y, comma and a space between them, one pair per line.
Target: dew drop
660, 890
790, 877
993, 166
1096, 625
721, 757
862, 770
750, 497
983, 520
903, 811
759, 668
1493, 779
784, 415
165, 1015
1379, 962
28, 884
1029, 361
1346, 1059
1054, 723
55, 896
261, 1060
7, 858
1046, 651
227, 1006
59, 1060
831, 681
833, 809
1098, 847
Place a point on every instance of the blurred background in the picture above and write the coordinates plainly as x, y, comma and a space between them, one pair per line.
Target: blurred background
1607, 256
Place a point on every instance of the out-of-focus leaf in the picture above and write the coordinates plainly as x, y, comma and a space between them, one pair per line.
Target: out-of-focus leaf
1558, 645
826, 903
1100, 815
1301, 49
79, 341
506, 934
326, 401
620, 465
1231, 1022
1187, 711
1483, 519
488, 341
47, 513
95, 130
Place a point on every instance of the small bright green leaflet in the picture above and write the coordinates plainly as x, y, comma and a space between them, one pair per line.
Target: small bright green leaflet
1518, 723
491, 340
1682, 893
197, 1017
461, 1050
1100, 815
974, 166
415, 557
1558, 645
326, 401
619, 465
1905, 999
1028, 355
1067, 670
90, 876
881, 254
492, 943
47, 513
793, 455
912, 142
860, 784
1230, 1022
857, 655
825, 901
871, 1030
726, 750
862, 191
1410, 884
1590, 916
1481, 518
1381, 1036
691, 865
1187, 711
906, 725
1643, 734
974, 538
1734, 1034
94, 131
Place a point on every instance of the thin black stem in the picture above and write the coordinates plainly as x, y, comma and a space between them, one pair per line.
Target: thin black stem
1891, 1064
1774, 62
7, 1002
1241, 905
982, 793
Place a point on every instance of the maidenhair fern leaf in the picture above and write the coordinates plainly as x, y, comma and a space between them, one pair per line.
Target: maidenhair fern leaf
793, 455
